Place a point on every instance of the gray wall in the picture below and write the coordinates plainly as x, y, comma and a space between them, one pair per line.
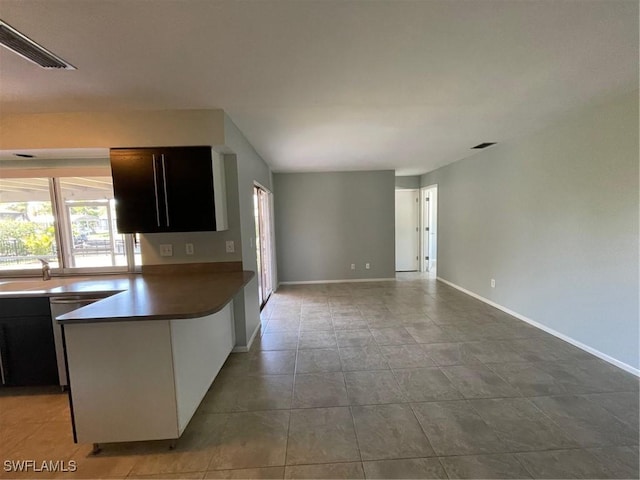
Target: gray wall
327, 221
553, 217
251, 168
408, 182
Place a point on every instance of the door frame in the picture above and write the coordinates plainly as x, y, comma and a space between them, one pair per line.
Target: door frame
418, 191
433, 226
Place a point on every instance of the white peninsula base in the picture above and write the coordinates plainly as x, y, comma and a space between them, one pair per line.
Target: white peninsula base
143, 380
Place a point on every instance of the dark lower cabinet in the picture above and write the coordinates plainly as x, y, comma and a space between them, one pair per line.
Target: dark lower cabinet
27, 349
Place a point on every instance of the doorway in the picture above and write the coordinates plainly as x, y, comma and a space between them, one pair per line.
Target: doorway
429, 240
262, 205
407, 230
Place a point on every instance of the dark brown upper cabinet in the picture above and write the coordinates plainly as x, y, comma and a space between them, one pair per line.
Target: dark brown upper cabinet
168, 189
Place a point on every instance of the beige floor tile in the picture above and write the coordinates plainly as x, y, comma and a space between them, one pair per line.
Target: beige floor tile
425, 384
13, 434
373, 387
321, 435
252, 473
392, 336
476, 438
318, 360
233, 393
42, 408
103, 465
418, 468
173, 461
51, 441
484, 466
171, 476
319, 390
407, 356
363, 358
325, 471
354, 338
317, 339
249, 440
389, 431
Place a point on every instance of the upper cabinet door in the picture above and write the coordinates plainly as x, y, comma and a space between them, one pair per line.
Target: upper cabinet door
167, 189
136, 190
189, 189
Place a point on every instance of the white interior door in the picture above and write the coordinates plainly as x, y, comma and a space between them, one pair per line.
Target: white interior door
407, 230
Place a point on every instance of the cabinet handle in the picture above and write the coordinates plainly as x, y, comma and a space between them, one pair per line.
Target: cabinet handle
4, 372
164, 181
155, 188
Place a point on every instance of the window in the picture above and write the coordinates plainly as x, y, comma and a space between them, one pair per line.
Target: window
27, 226
68, 221
90, 223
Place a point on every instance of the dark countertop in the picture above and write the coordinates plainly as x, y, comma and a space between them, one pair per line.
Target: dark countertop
137, 297
64, 286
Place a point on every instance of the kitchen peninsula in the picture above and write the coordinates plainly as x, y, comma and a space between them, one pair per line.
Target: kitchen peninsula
141, 360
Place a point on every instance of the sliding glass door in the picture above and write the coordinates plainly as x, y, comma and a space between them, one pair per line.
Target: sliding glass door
264, 250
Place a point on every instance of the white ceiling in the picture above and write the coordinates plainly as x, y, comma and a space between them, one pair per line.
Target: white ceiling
323, 85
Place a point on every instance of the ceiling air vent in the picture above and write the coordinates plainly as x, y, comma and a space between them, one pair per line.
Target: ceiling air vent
30, 50
480, 146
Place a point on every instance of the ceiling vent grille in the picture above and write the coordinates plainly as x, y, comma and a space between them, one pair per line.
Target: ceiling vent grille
30, 50
480, 146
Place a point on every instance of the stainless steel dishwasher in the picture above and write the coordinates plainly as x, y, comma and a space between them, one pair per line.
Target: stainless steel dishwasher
60, 306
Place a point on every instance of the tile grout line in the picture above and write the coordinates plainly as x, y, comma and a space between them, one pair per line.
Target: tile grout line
292, 399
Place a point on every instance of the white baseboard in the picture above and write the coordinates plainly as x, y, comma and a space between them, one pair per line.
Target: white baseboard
254, 335
551, 331
346, 280
245, 349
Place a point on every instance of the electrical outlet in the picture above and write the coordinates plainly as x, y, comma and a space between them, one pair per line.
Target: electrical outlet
188, 248
353, 266
230, 246
367, 266
493, 283
166, 250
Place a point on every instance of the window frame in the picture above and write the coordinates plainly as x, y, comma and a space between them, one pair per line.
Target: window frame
64, 242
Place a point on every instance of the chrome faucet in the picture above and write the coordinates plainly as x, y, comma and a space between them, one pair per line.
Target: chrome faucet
46, 269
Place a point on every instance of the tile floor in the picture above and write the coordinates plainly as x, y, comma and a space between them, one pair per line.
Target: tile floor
400, 379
